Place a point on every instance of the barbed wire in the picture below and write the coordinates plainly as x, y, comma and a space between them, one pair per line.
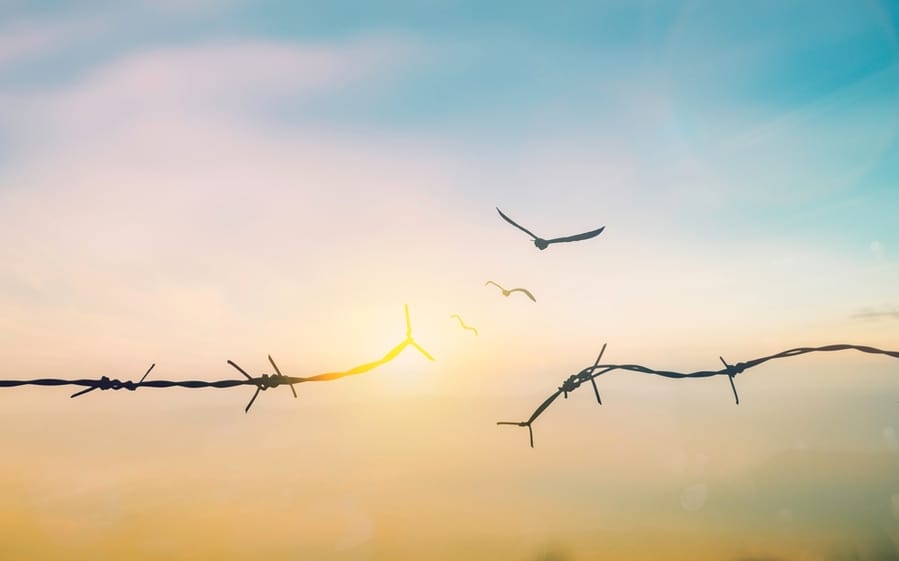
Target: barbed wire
590, 374
262, 382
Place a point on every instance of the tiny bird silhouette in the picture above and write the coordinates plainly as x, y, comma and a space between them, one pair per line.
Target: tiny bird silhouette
508, 292
462, 323
542, 243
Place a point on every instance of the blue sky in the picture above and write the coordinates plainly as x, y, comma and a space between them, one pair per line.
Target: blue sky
744, 120
707, 136
506, 74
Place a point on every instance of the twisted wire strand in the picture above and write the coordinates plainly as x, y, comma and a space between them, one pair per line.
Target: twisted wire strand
590, 374
262, 382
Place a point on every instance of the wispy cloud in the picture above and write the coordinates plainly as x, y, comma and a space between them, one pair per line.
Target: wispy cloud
190, 7
869, 313
22, 40
226, 76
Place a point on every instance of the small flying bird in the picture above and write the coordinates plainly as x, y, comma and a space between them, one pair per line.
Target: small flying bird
462, 323
542, 243
508, 292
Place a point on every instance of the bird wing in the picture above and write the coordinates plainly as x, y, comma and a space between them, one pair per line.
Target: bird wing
494, 284
526, 291
513, 223
578, 237
462, 323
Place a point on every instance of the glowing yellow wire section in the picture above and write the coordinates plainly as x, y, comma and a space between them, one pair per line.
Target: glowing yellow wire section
391, 354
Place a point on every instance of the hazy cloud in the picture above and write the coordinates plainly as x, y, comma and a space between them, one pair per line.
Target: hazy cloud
22, 40
869, 313
222, 79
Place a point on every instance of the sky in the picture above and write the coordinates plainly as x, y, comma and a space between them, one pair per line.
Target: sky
183, 183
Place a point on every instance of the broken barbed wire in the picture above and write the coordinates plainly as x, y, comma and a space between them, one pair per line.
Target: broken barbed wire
262, 382
590, 374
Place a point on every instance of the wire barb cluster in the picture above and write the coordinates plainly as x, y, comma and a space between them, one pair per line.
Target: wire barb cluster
590, 374
105, 383
262, 382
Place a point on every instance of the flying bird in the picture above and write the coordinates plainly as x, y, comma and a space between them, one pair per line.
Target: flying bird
462, 323
508, 292
542, 243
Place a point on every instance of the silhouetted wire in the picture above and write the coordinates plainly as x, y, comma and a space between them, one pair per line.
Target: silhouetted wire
262, 383
590, 374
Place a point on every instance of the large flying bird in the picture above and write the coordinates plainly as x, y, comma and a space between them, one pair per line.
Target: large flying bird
542, 243
508, 292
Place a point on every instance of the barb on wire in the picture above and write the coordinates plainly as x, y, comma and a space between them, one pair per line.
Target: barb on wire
262, 382
129, 385
590, 374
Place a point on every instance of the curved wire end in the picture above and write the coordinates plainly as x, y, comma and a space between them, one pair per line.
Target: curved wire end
520, 424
